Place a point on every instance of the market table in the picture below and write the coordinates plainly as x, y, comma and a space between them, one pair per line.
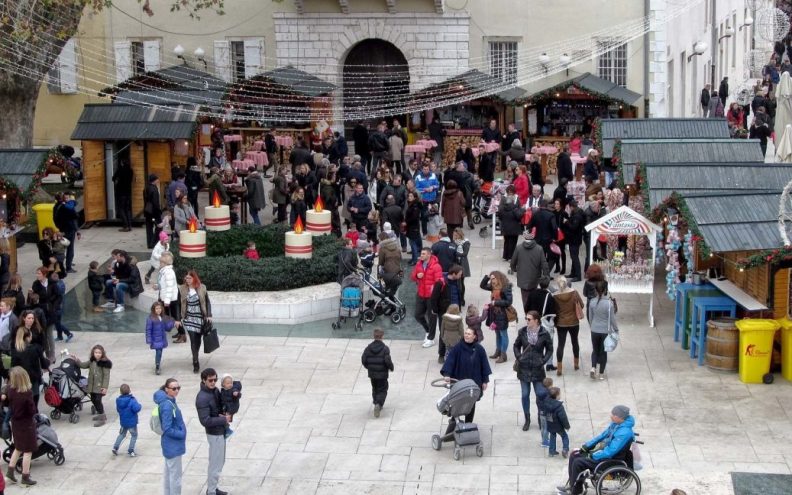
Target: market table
258, 146
258, 157
232, 138
489, 147
286, 141
698, 321
427, 143
242, 164
416, 149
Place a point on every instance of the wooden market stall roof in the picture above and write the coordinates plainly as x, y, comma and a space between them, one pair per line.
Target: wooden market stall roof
613, 129
176, 85
22, 169
662, 180
113, 122
590, 84
467, 86
726, 150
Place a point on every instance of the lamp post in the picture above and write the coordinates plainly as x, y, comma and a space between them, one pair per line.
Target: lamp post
727, 34
698, 49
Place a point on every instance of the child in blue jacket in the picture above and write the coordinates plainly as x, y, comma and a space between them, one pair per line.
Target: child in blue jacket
128, 408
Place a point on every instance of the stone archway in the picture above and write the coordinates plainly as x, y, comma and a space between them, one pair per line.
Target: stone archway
375, 73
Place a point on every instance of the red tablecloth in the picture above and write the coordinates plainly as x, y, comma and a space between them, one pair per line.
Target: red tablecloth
415, 148
257, 157
544, 150
578, 159
427, 143
258, 146
232, 137
242, 165
489, 147
284, 141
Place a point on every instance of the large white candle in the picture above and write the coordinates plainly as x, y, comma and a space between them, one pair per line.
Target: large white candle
192, 243
299, 244
318, 221
217, 217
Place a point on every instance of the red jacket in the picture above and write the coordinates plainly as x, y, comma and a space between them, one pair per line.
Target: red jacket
251, 254
522, 188
432, 274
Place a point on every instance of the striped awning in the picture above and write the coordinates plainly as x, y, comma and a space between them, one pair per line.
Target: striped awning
623, 221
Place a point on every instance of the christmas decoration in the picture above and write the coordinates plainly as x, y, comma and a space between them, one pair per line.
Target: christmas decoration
768, 257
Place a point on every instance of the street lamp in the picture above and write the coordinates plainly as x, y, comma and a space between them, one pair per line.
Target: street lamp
747, 22
698, 49
565, 61
178, 50
199, 55
728, 34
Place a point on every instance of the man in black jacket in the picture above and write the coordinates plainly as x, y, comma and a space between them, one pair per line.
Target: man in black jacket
208, 404
300, 154
574, 230
705, 99
122, 180
376, 359
378, 145
152, 210
723, 90
564, 166
437, 134
445, 251
450, 289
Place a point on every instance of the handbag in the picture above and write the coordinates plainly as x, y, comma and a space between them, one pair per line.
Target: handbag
211, 341
560, 236
555, 249
526, 218
511, 313
612, 340
579, 310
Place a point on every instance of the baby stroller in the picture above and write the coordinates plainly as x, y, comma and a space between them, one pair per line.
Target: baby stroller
482, 197
490, 206
459, 401
47, 441
387, 303
66, 392
351, 303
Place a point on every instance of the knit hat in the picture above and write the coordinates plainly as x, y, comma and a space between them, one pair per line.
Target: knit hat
527, 235
621, 412
163, 236
387, 227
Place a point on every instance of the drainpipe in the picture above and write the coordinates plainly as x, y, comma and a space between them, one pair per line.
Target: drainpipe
647, 62
713, 43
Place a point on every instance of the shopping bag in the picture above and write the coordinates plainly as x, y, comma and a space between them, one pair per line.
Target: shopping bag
211, 342
611, 341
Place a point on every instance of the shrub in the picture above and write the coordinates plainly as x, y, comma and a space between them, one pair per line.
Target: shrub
225, 269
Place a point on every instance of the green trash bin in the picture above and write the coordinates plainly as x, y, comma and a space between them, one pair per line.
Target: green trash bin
44, 216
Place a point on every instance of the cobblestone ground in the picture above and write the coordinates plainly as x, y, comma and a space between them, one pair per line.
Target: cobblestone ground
306, 424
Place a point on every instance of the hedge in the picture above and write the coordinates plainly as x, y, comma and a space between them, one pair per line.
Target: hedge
226, 269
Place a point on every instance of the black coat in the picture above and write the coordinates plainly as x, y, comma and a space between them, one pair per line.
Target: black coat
705, 98
575, 228
208, 404
536, 302
299, 155
151, 201
440, 299
394, 215
555, 415
489, 135
413, 218
565, 166
377, 360
360, 136
31, 360
347, 263
546, 228
446, 253
532, 358
122, 178
486, 168
510, 215
437, 133
466, 156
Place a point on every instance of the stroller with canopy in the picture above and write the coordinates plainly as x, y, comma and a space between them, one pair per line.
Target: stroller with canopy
66, 392
387, 302
462, 395
47, 441
351, 302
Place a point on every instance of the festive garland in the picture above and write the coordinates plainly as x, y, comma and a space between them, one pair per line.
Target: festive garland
686, 219
616, 161
596, 131
767, 257
26, 196
550, 93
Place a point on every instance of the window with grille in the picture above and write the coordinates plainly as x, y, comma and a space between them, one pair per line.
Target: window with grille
237, 61
503, 60
138, 59
613, 63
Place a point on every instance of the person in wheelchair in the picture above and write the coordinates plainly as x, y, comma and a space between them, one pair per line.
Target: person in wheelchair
611, 444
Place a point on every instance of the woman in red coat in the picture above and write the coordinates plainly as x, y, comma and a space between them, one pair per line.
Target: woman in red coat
522, 184
23, 423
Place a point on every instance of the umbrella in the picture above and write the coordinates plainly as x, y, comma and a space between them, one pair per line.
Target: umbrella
783, 114
784, 148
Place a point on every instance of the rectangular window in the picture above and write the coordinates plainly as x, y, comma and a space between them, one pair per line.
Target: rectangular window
237, 61
612, 64
503, 60
138, 59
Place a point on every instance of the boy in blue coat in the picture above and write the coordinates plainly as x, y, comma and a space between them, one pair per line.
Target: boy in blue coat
557, 422
128, 408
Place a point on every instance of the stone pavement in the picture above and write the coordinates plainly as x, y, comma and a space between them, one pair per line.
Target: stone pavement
305, 424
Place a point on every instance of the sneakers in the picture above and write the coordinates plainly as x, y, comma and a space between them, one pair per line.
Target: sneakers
115, 451
118, 309
593, 374
377, 410
109, 305
552, 454
564, 454
602, 376
427, 343
58, 339
131, 453
69, 337
99, 309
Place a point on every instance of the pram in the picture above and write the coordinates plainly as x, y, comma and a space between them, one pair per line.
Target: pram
351, 303
459, 401
47, 441
387, 303
488, 205
66, 391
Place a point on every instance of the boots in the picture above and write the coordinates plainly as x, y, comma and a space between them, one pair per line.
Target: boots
99, 420
527, 423
11, 474
577, 364
501, 358
496, 355
559, 365
181, 339
27, 480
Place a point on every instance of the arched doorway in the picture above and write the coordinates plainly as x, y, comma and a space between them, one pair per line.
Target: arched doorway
376, 74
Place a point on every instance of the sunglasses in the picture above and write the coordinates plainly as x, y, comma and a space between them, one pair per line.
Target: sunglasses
175, 388
211, 380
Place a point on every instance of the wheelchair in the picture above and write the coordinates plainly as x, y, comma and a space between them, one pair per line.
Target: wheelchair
614, 476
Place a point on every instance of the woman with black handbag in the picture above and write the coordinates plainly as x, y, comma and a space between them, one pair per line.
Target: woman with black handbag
196, 312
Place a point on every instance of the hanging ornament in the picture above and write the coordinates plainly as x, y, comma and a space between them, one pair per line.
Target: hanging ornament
772, 24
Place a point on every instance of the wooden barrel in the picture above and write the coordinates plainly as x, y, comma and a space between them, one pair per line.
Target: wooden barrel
723, 344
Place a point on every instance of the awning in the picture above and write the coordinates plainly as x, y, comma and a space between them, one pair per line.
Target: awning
22, 169
470, 85
588, 83
112, 122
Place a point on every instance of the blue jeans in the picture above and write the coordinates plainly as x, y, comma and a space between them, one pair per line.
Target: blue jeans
59, 326
564, 442
543, 425
525, 388
95, 294
415, 248
254, 213
70, 235
120, 288
122, 435
609, 178
502, 340
157, 357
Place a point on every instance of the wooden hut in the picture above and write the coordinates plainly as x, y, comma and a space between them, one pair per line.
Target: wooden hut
608, 131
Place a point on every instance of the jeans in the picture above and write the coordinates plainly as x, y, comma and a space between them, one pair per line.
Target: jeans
525, 389
379, 390
132, 438
502, 340
564, 442
574, 257
172, 479
157, 357
217, 449
424, 217
425, 317
543, 427
562, 335
415, 248
60, 327
95, 294
598, 354
118, 290
609, 178
254, 213
70, 235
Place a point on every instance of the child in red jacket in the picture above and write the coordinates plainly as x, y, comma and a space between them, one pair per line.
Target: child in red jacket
251, 253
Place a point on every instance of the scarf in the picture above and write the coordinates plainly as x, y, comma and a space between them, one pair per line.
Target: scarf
533, 336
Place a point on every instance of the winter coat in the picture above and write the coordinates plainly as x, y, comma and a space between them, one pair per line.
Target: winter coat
546, 229
49, 298
376, 359
565, 167
363, 203
215, 184
453, 206
31, 360
497, 311
467, 361
182, 214
360, 136
378, 142
427, 187
515, 154
203, 300
462, 258
614, 439
446, 253
452, 329
532, 358
390, 256
590, 170
156, 254
135, 281
157, 331
431, 274
151, 201
298, 210
555, 415
575, 228
168, 286
98, 374
394, 215
705, 98
396, 147
208, 404
489, 135
465, 156
256, 198
280, 190
601, 312
229, 400
174, 431
128, 408
522, 188
399, 195
592, 216
510, 215
412, 217
437, 133
95, 281
530, 264
442, 292
536, 302
566, 315
347, 263
474, 322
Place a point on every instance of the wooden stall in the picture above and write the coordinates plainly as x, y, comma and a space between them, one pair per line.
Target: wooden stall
608, 131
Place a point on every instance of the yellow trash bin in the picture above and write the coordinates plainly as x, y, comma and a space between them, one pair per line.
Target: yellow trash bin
44, 216
756, 348
786, 348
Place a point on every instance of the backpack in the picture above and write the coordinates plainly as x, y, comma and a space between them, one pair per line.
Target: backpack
155, 422
52, 397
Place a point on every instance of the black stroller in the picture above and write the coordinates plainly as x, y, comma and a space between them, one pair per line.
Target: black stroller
66, 391
459, 401
47, 441
387, 302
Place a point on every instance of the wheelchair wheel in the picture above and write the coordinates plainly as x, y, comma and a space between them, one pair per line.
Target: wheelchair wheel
618, 480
